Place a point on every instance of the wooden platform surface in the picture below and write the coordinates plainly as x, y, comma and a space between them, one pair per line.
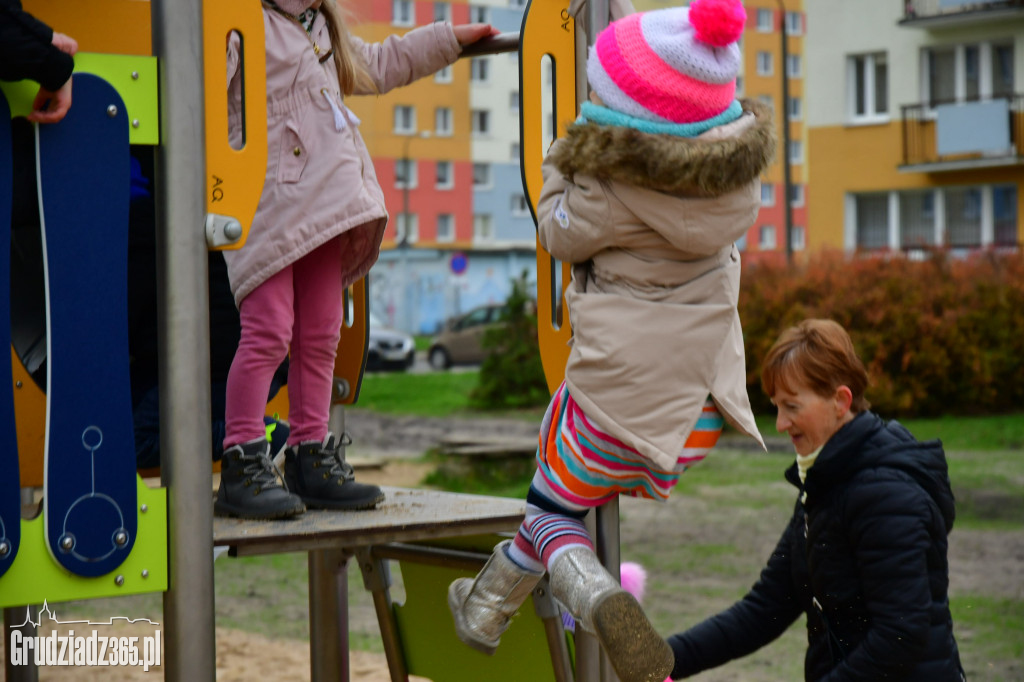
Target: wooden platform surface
405, 515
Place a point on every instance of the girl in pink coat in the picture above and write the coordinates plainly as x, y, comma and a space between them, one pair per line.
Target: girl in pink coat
645, 196
317, 230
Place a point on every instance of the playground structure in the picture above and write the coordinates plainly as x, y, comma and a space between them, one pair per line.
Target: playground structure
160, 540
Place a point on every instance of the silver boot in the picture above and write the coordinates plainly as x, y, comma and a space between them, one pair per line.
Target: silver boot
482, 606
600, 605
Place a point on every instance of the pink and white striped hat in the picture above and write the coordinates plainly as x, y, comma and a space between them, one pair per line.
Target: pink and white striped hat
676, 65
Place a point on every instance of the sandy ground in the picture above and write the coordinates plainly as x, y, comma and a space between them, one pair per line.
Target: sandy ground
385, 448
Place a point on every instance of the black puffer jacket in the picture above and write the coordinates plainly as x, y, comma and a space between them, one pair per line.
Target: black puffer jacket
26, 50
864, 556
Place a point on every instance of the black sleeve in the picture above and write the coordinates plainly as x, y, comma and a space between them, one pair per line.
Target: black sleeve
26, 49
762, 615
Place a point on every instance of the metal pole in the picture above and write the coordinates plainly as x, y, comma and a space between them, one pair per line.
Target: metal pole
184, 334
786, 170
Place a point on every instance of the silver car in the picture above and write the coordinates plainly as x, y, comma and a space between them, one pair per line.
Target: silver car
388, 348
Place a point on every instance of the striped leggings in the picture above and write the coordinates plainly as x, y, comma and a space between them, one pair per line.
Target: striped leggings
579, 467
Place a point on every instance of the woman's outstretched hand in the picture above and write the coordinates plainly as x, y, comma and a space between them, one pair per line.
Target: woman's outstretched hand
470, 33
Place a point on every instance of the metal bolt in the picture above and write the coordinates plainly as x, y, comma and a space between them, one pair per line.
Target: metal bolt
145, 573
121, 538
135, 123
4, 548
119, 580
17, 384
135, 75
112, 111
233, 230
144, 508
66, 543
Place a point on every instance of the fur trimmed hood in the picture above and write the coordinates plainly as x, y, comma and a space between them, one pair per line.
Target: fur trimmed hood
710, 165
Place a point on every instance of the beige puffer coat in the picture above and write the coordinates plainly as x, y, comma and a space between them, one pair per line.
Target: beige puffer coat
320, 180
650, 222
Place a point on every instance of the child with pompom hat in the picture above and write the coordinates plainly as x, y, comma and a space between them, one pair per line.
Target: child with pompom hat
645, 196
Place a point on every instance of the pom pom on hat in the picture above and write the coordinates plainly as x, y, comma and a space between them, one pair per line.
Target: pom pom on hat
634, 579
675, 65
718, 22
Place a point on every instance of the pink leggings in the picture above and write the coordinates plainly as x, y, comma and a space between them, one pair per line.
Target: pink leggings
300, 306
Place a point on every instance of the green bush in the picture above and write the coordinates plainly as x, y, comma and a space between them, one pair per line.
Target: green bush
511, 375
939, 336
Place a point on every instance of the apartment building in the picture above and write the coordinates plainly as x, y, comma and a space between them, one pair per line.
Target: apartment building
915, 124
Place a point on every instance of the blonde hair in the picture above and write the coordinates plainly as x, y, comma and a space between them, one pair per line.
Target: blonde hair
819, 354
353, 74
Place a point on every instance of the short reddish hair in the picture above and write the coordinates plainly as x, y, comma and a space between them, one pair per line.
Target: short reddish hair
820, 355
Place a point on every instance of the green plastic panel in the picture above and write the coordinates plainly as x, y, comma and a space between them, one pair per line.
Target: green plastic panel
133, 76
35, 577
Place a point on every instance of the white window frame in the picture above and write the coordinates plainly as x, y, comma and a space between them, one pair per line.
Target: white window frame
480, 70
481, 221
403, 13
519, 206
767, 238
765, 20
798, 234
406, 174
985, 49
405, 119
801, 197
479, 14
450, 236
404, 221
443, 122
515, 152
443, 75
517, 4
442, 11
765, 63
795, 109
449, 181
487, 172
794, 24
794, 66
481, 122
767, 194
870, 114
513, 101
796, 152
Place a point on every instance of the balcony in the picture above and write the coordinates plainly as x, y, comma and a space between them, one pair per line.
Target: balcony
948, 136
947, 13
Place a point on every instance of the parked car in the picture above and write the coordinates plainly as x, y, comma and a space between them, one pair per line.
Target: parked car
388, 348
460, 343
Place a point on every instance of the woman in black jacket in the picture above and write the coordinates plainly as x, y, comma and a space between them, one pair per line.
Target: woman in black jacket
31, 49
864, 555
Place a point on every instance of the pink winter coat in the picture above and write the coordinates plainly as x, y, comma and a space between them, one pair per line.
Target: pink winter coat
320, 180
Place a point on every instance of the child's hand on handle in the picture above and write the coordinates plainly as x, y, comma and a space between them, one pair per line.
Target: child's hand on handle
470, 33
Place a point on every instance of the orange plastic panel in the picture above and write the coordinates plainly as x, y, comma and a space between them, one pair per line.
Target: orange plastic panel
106, 26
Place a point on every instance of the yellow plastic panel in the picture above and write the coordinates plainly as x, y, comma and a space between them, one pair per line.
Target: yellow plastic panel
234, 177
30, 419
355, 330
109, 26
548, 31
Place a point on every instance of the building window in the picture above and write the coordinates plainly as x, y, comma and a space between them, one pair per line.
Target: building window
963, 216
794, 110
483, 227
405, 173
1004, 208
766, 238
767, 194
443, 75
799, 236
868, 87
794, 66
517, 3
917, 220
407, 228
796, 196
405, 119
479, 70
445, 175
403, 13
481, 175
765, 20
794, 24
765, 63
520, 207
481, 122
796, 152
513, 101
515, 152
739, 86
478, 15
445, 227
872, 221
443, 121
958, 73
442, 11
